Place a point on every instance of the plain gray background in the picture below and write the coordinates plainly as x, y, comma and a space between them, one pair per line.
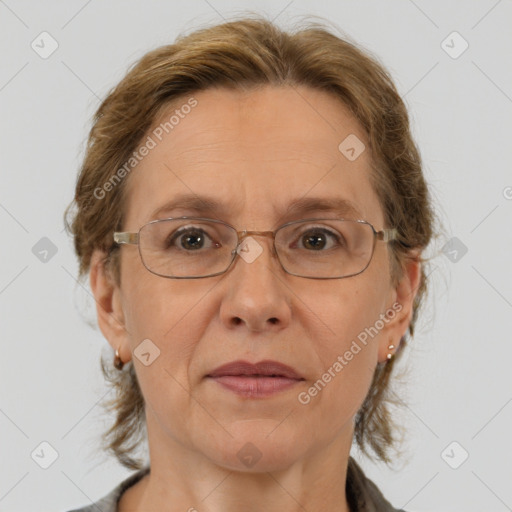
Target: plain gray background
459, 381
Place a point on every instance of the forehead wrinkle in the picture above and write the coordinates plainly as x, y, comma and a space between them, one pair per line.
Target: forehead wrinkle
222, 151
233, 140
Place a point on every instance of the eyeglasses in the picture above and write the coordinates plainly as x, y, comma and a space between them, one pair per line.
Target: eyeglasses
197, 247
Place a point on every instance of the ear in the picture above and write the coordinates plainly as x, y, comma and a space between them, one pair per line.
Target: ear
107, 295
400, 309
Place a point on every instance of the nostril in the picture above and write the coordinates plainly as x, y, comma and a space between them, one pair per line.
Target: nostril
273, 320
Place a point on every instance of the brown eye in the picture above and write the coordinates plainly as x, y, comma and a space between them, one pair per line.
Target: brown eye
190, 239
318, 239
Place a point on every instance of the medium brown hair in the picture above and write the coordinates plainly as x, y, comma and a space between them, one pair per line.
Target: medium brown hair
243, 54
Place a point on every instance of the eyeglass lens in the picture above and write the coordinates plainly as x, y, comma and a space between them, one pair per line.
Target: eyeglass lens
199, 248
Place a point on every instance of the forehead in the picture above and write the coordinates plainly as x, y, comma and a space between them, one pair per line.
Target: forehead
253, 153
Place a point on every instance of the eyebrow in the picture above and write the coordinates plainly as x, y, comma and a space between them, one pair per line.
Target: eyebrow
206, 205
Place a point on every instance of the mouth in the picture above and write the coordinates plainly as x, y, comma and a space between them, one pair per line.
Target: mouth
258, 380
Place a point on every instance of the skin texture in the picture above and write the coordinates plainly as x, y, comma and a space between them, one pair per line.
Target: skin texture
255, 152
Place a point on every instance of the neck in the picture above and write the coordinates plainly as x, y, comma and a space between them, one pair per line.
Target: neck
182, 479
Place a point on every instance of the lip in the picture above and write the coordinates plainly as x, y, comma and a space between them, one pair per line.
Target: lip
258, 380
263, 368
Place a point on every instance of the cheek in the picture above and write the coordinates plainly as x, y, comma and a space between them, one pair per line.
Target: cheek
345, 314
347, 349
337, 394
169, 315
164, 322
340, 387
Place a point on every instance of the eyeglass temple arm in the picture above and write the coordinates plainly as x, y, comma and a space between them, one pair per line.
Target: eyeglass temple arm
386, 235
126, 238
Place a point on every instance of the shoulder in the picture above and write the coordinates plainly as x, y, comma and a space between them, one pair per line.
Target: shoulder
362, 494
109, 502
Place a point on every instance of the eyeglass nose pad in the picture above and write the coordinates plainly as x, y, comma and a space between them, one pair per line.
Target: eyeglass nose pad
240, 240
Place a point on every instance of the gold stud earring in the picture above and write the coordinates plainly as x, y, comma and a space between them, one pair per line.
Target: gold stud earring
390, 347
118, 362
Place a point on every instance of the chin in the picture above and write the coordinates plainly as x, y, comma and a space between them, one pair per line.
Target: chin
259, 447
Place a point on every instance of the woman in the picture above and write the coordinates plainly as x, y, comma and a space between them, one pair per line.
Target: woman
276, 196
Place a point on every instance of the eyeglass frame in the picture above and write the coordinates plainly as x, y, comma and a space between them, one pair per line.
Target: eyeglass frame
132, 238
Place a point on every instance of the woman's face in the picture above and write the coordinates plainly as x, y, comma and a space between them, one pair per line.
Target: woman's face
254, 153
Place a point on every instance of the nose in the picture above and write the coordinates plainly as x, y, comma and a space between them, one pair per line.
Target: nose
255, 296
